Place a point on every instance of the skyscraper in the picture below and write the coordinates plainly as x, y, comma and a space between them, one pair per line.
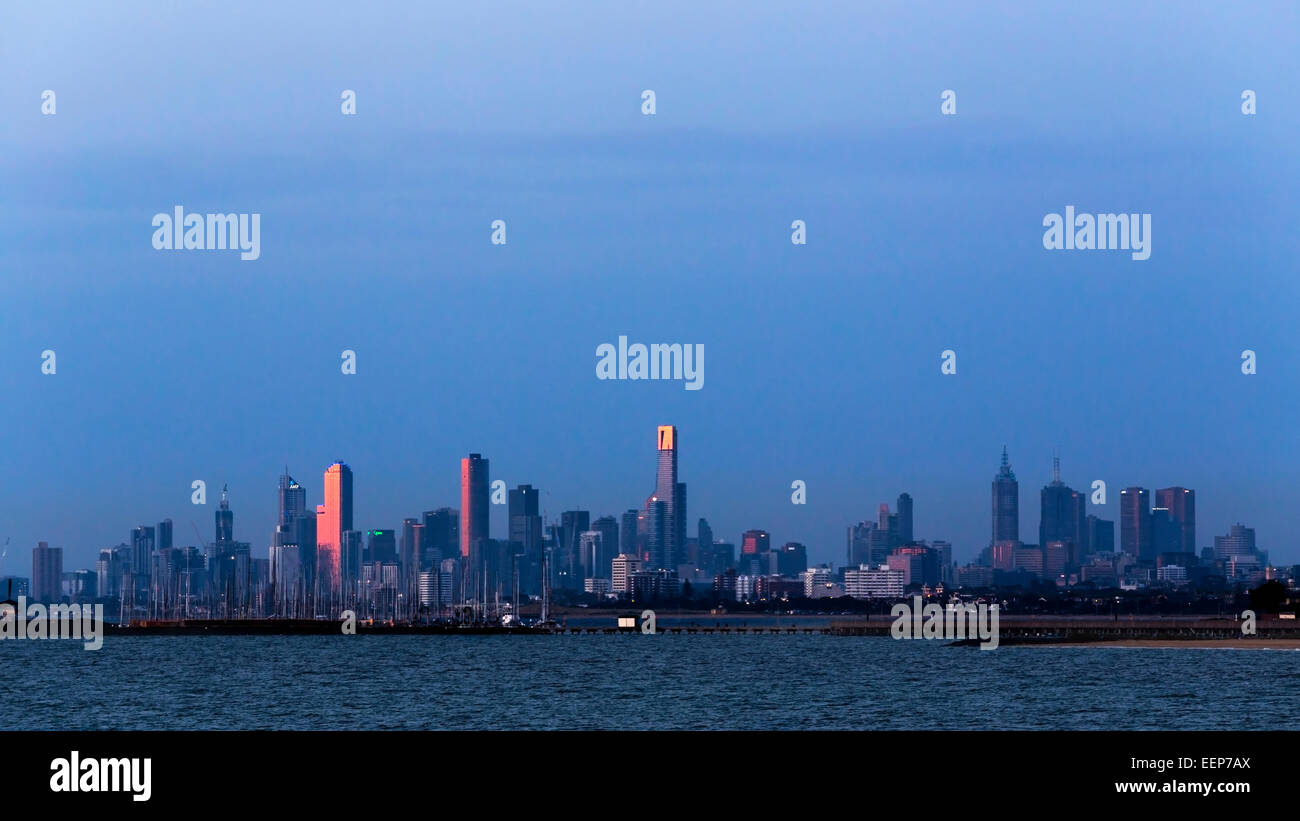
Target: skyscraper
333, 519
627, 533
753, 542
1135, 523
573, 523
793, 559
47, 573
704, 536
887, 524
607, 527
590, 550
293, 545
292, 498
858, 550
441, 536
1166, 532
526, 537
473, 503
142, 546
163, 539
525, 523
1101, 535
114, 563
677, 555
652, 533
1006, 503
350, 554
326, 554
1181, 504
905, 518
1063, 517
303, 530
883, 537
381, 547
408, 557
669, 544
225, 519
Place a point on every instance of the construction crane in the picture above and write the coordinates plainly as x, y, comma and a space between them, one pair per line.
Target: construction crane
9, 595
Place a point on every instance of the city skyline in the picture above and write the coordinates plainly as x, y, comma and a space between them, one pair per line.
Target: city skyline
924, 234
1133, 526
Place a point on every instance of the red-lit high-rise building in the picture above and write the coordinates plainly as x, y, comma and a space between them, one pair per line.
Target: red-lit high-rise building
473, 503
333, 519
754, 542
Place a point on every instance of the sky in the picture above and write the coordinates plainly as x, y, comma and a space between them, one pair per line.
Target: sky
924, 234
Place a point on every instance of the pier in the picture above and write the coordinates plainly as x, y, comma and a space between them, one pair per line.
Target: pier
1012, 629
1025, 629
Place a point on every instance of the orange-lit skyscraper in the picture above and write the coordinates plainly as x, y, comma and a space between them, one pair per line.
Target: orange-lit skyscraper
473, 502
669, 539
333, 519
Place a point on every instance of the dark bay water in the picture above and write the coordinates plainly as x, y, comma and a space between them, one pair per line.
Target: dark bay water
636, 682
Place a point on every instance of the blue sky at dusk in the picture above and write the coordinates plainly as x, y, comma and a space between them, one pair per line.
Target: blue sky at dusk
821, 361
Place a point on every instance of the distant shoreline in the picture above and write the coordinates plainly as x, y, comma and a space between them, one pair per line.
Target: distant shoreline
1180, 644
1018, 630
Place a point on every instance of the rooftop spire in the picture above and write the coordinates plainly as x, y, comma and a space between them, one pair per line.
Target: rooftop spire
1005, 471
